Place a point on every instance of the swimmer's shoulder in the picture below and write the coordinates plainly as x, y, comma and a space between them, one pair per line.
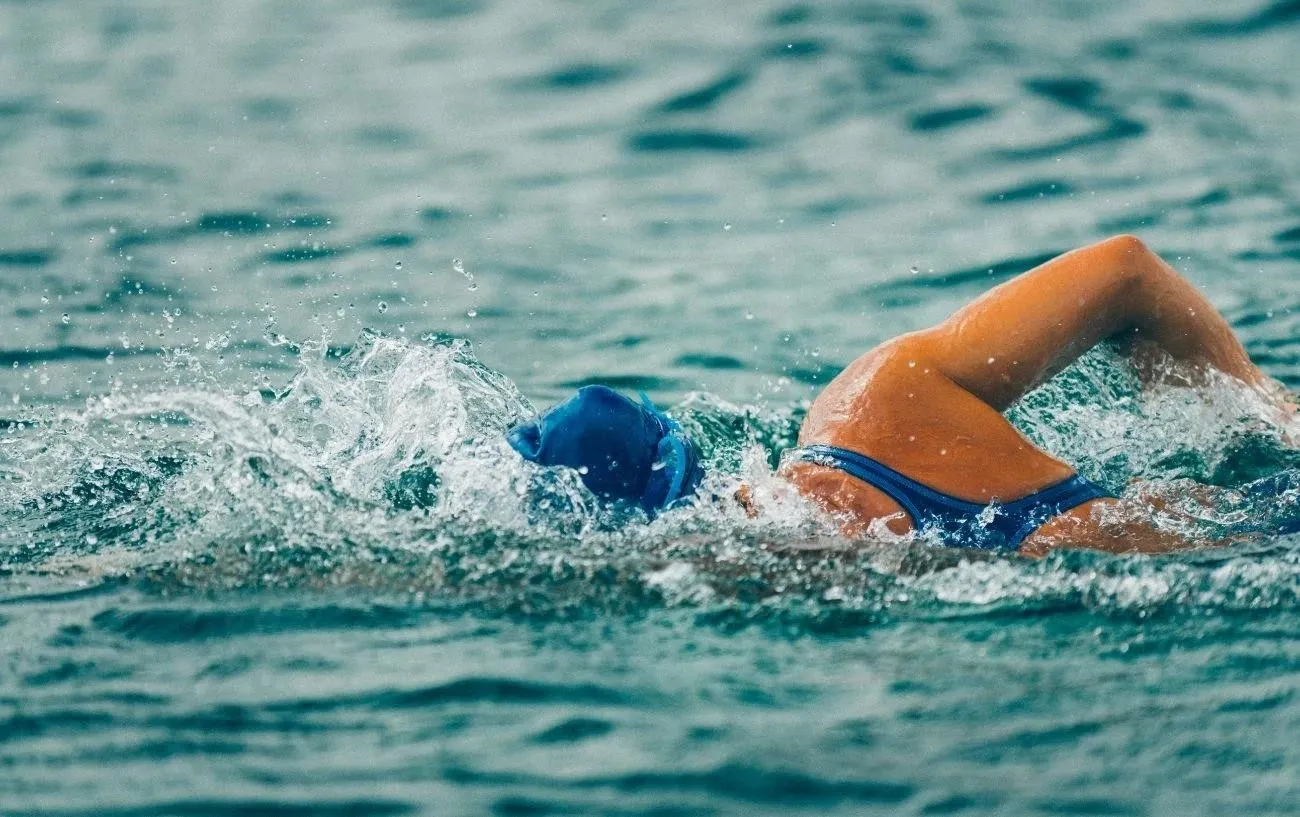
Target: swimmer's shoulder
896, 406
893, 384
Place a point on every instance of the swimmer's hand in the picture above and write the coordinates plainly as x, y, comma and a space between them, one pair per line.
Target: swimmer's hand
745, 498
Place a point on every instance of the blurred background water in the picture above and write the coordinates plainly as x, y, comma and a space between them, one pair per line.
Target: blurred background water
274, 276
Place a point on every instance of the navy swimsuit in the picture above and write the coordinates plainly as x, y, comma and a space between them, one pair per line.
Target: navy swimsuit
996, 526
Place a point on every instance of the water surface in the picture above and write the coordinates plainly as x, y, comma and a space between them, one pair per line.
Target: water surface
274, 277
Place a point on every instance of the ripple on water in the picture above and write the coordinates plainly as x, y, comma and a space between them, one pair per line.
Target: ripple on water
185, 624
27, 258
235, 807
691, 141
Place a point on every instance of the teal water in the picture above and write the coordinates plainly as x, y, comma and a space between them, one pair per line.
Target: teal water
275, 276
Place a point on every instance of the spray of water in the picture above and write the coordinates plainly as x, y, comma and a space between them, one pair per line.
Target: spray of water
387, 470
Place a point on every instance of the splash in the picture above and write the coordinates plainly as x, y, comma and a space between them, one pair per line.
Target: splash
387, 470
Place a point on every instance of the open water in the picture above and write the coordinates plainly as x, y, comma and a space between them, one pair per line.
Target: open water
275, 275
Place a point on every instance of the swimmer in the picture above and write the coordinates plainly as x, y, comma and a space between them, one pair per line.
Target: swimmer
911, 435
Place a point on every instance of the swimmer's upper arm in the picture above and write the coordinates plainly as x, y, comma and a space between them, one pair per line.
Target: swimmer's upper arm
1022, 332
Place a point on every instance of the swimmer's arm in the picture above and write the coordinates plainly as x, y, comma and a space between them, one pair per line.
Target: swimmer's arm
1019, 334
1127, 526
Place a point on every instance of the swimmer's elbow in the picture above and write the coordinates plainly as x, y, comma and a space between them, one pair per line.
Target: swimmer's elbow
1126, 244
1128, 258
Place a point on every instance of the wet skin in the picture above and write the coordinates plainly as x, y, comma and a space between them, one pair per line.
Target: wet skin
929, 404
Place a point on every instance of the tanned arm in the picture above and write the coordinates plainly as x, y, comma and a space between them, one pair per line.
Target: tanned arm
1021, 333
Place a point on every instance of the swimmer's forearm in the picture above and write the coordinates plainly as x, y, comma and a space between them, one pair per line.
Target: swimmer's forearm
1128, 526
1167, 311
1138, 537
1022, 332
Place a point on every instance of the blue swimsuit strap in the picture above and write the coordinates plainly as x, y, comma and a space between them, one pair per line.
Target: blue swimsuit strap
1014, 520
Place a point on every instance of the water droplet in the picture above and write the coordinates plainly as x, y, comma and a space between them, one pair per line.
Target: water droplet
749, 316
67, 318
911, 364
473, 313
46, 300
383, 306
991, 360
173, 261
915, 270
582, 469
398, 265
726, 228
459, 266
604, 217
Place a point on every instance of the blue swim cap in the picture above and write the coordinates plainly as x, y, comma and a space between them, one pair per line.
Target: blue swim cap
621, 449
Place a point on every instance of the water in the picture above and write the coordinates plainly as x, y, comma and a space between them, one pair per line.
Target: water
276, 275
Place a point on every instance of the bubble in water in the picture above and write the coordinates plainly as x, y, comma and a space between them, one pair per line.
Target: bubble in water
473, 313
397, 266
383, 306
726, 228
749, 316
915, 269
66, 318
